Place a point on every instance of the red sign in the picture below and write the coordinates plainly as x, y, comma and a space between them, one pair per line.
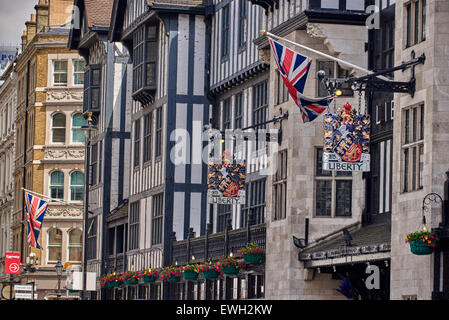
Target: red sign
12, 263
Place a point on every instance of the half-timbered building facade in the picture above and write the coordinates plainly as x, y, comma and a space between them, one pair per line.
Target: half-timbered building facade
107, 107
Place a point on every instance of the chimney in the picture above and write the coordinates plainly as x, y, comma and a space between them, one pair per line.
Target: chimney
31, 28
41, 15
59, 12
24, 40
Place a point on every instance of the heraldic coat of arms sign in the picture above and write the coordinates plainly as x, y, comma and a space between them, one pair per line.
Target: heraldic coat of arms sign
226, 181
346, 140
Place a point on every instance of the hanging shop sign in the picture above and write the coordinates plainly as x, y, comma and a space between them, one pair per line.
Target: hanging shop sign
226, 181
346, 140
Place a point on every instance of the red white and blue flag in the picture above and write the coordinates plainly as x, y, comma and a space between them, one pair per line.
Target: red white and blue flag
294, 68
35, 209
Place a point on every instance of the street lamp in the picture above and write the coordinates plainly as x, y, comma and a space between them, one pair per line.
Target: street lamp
59, 268
87, 129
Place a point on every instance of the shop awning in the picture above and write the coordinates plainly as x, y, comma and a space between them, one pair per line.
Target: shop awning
368, 243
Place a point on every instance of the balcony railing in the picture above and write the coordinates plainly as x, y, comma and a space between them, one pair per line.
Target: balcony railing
218, 245
186, 3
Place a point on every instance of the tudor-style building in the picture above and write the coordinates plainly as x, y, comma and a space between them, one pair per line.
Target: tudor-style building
107, 105
169, 50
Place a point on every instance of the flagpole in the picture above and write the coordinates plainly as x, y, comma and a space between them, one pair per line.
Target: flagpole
52, 199
269, 34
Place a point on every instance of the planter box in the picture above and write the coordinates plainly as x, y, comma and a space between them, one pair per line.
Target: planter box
420, 248
173, 279
252, 258
190, 275
211, 274
131, 281
230, 270
149, 279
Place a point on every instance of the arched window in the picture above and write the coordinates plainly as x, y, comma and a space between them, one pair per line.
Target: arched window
57, 185
75, 245
58, 128
77, 186
77, 122
54, 245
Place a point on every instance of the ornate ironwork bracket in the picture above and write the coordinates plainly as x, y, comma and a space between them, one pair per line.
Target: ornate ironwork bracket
427, 203
372, 83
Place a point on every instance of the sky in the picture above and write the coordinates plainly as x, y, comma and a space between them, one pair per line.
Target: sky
13, 14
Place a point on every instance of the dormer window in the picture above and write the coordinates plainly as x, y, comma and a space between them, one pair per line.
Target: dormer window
144, 63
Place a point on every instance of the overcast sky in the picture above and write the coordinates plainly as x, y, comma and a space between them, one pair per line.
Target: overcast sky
13, 14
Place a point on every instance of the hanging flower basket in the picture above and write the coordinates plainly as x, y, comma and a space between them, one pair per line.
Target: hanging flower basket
230, 270
210, 270
190, 272
211, 274
231, 266
111, 281
422, 242
173, 279
131, 281
252, 253
170, 274
149, 275
131, 277
190, 275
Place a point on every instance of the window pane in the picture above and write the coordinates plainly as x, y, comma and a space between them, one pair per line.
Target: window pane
54, 253
55, 237
57, 178
60, 66
319, 165
57, 192
95, 98
76, 237
59, 135
75, 253
77, 178
323, 198
344, 198
77, 193
96, 76
59, 120
151, 73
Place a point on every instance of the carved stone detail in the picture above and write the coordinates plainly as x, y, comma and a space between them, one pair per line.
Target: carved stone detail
64, 212
62, 154
64, 95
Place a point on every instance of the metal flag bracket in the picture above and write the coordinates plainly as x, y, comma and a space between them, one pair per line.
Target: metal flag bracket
372, 83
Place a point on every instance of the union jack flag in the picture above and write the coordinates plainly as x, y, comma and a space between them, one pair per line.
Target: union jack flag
312, 107
294, 68
35, 209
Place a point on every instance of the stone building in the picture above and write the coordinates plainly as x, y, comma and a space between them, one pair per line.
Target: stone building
197, 63
420, 140
107, 101
49, 150
8, 95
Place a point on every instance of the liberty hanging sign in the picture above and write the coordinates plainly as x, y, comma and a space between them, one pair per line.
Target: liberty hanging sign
346, 141
226, 181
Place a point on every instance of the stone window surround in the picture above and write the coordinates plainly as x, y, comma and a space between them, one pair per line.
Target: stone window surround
418, 143
70, 78
67, 170
65, 244
413, 32
333, 178
69, 113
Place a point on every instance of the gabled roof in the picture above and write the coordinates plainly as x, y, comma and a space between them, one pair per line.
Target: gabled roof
98, 12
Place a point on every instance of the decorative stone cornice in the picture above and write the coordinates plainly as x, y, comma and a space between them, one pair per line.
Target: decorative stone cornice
64, 212
64, 95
